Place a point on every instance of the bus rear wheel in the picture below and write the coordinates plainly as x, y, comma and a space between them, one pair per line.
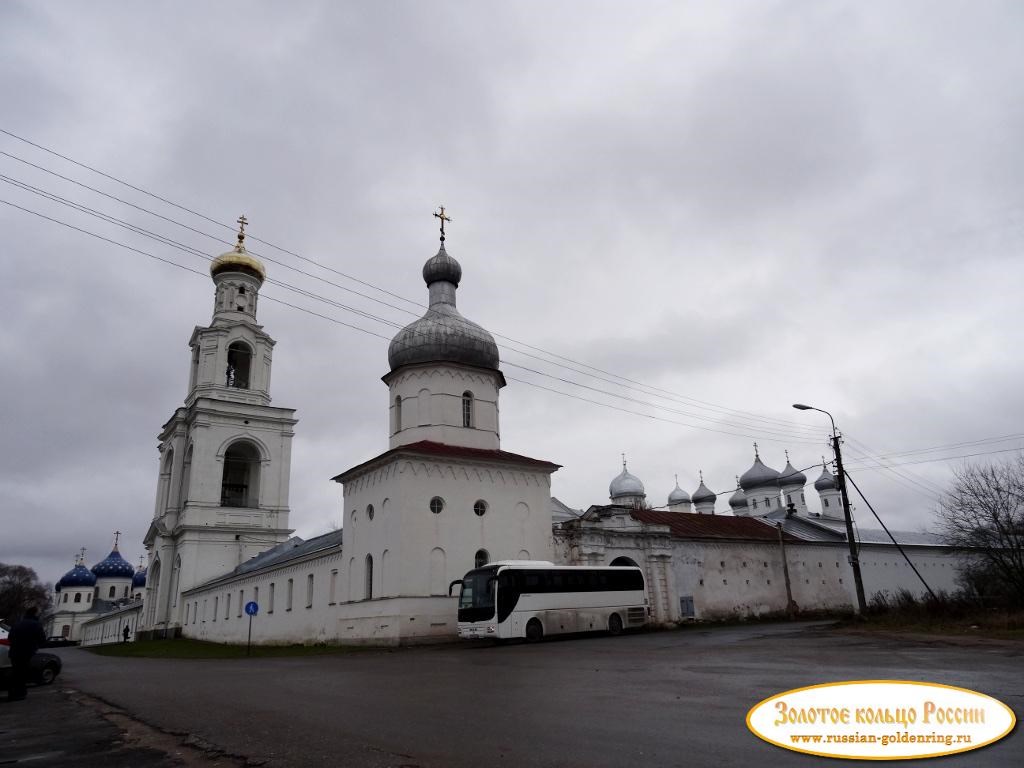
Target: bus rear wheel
615, 624
534, 631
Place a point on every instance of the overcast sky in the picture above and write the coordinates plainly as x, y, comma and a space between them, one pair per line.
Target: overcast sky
736, 206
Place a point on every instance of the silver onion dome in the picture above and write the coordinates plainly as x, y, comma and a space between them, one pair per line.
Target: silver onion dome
826, 482
442, 334
625, 484
703, 494
739, 499
758, 476
678, 496
791, 477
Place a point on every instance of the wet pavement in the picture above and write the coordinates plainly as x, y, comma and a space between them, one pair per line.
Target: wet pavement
654, 699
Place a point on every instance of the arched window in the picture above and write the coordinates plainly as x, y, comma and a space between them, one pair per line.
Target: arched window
398, 413
240, 485
65, 597
825, 502
369, 511
186, 478
113, 593
481, 558
368, 593
78, 597
239, 363
623, 562
467, 409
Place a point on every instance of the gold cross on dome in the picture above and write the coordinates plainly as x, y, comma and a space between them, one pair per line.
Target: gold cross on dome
242, 221
117, 536
443, 219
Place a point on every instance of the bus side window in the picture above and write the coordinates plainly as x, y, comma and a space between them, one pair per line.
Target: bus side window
532, 581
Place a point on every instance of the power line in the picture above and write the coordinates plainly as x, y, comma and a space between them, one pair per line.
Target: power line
951, 458
367, 315
655, 391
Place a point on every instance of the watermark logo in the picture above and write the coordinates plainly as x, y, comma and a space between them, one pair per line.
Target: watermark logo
881, 720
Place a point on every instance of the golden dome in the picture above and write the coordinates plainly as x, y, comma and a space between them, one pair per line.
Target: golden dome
239, 260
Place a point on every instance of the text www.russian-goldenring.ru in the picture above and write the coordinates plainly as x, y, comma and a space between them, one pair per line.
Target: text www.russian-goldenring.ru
885, 740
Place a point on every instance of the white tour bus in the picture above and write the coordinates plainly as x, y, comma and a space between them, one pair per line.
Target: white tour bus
527, 598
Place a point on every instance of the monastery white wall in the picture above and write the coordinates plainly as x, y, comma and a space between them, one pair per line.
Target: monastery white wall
297, 604
746, 579
884, 569
109, 627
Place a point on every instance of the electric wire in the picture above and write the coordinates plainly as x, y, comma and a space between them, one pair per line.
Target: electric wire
667, 394
386, 338
317, 297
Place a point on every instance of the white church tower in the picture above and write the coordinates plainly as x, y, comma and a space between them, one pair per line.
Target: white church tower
444, 498
225, 457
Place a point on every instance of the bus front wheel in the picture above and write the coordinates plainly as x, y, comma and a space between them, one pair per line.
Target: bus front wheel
615, 624
534, 631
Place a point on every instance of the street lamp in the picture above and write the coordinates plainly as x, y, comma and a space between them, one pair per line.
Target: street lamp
841, 475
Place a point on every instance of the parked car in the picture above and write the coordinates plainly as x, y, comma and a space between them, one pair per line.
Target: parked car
45, 666
59, 642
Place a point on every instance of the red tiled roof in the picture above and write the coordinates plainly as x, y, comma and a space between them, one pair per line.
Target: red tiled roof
690, 525
441, 450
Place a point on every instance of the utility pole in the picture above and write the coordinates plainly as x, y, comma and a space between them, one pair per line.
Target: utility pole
841, 479
854, 558
791, 607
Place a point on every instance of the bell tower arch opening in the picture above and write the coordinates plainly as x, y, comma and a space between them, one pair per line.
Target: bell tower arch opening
239, 365
240, 484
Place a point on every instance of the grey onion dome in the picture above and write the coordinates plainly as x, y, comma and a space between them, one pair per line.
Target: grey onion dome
678, 496
739, 499
827, 481
758, 476
443, 334
791, 476
703, 493
441, 266
113, 566
625, 484
79, 576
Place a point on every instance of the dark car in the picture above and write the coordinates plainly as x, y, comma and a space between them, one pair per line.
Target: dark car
59, 642
45, 668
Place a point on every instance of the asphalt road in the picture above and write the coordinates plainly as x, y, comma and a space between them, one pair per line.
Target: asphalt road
657, 699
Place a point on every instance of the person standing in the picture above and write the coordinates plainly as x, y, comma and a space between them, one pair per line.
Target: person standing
125, 633
25, 639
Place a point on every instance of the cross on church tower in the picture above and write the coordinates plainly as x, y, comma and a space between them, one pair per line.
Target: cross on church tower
242, 221
443, 219
117, 536
755, 452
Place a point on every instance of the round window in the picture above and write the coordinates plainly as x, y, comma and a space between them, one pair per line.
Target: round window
436, 505
369, 511
480, 508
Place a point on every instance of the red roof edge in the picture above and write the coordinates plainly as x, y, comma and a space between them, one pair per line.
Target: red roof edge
442, 450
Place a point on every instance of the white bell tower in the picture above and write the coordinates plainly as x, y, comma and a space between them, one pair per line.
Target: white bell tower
225, 456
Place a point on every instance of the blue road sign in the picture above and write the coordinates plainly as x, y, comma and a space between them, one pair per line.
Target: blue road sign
252, 608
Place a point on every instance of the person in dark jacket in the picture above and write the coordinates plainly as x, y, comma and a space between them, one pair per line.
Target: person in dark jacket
25, 638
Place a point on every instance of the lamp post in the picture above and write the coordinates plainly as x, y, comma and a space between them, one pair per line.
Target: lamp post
841, 475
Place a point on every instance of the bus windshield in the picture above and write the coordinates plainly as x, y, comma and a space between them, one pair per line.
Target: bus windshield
476, 599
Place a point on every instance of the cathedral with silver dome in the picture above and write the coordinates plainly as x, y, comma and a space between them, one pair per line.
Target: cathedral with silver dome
441, 498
